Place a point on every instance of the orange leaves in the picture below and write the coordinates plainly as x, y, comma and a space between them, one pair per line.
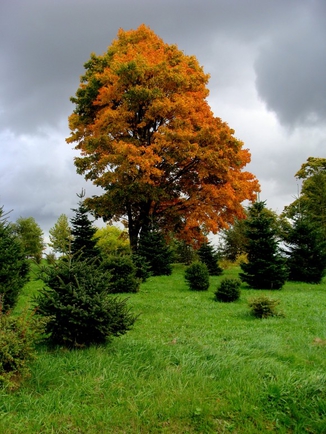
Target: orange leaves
148, 137
139, 162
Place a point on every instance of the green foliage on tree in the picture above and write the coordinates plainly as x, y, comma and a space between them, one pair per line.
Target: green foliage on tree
77, 304
83, 244
13, 265
60, 236
31, 237
311, 202
112, 241
142, 267
265, 268
182, 252
123, 274
197, 276
306, 251
156, 252
209, 256
234, 240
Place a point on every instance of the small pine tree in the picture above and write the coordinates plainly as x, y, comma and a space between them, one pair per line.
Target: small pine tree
228, 290
83, 244
197, 276
265, 268
209, 256
76, 302
306, 251
156, 253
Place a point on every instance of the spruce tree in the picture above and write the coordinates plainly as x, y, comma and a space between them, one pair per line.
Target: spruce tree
265, 268
306, 251
155, 252
209, 256
83, 244
182, 251
77, 306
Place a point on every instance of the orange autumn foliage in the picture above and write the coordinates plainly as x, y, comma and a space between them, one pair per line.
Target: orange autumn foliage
148, 137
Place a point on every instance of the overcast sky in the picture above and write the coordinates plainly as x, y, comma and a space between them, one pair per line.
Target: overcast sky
266, 58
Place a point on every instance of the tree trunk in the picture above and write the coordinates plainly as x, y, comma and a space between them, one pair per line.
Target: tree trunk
139, 224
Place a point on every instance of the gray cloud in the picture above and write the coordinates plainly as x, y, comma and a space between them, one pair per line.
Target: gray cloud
291, 68
37, 177
44, 44
260, 54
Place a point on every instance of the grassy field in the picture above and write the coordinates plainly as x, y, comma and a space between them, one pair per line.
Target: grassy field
190, 365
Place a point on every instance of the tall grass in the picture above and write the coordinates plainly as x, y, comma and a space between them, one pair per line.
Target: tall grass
190, 365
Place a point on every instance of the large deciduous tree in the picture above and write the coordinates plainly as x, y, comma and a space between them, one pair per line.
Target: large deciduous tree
148, 137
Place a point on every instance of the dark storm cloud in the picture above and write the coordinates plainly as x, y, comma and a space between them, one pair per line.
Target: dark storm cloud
43, 45
42, 49
291, 67
273, 49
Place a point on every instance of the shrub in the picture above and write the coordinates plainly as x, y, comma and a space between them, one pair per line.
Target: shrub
78, 306
18, 336
228, 290
123, 274
226, 263
197, 276
263, 307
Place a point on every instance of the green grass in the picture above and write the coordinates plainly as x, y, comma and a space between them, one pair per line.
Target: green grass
30, 289
190, 365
